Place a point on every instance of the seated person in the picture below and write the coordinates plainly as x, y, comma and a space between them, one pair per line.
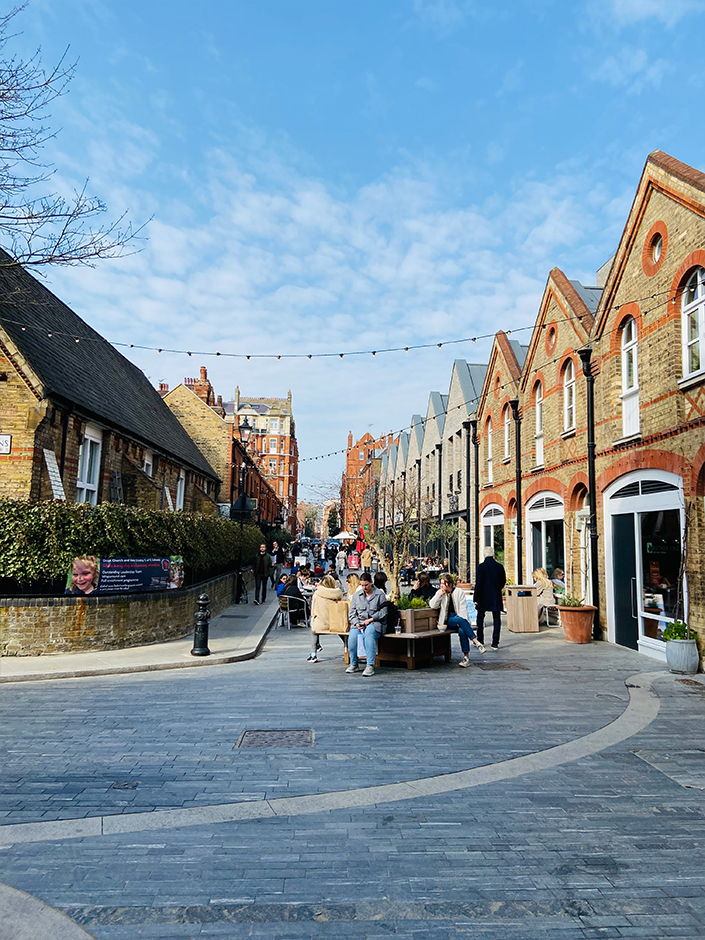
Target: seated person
353, 583
282, 584
368, 618
544, 593
559, 578
453, 613
380, 581
325, 596
422, 587
297, 604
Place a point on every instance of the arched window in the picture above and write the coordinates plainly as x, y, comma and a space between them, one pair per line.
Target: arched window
630, 379
538, 438
694, 323
569, 396
489, 450
507, 432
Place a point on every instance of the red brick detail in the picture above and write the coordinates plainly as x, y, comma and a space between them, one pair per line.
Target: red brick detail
642, 460
511, 512
577, 488
497, 385
694, 260
490, 499
577, 368
648, 263
698, 473
626, 311
680, 170
544, 483
551, 337
538, 379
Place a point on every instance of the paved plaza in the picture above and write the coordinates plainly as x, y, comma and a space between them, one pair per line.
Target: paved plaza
548, 792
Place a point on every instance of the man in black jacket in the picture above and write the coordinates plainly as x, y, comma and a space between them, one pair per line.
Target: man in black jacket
491, 578
263, 568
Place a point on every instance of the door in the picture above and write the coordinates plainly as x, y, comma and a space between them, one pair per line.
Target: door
625, 587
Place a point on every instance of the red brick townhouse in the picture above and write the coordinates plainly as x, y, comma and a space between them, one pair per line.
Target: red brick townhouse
78, 421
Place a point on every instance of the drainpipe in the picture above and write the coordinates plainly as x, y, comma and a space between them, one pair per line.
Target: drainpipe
439, 448
468, 566
514, 404
476, 457
585, 355
418, 501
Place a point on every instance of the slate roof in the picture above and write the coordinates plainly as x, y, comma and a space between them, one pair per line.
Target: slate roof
471, 376
589, 295
90, 375
417, 429
519, 351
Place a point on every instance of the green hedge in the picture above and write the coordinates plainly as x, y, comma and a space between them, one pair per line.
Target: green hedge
38, 541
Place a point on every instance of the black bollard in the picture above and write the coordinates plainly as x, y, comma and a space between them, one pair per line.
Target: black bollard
200, 633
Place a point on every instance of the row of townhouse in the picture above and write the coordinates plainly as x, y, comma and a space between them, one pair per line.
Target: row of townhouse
585, 450
80, 422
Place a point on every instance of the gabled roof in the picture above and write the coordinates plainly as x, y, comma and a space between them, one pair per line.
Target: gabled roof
404, 446
438, 404
417, 431
393, 451
80, 369
471, 377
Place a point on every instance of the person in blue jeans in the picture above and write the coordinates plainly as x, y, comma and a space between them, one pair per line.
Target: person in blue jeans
367, 617
453, 613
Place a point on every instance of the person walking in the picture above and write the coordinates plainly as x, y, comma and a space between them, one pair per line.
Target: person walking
489, 581
263, 568
368, 618
452, 606
366, 558
341, 561
277, 558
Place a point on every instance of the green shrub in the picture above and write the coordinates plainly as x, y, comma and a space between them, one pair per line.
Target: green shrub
407, 603
38, 541
678, 630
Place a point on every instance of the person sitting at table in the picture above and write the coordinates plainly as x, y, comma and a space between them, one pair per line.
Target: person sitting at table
559, 578
452, 605
297, 604
282, 584
324, 597
304, 578
545, 597
422, 587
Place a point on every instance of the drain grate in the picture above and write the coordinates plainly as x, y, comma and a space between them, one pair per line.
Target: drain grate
290, 738
502, 667
125, 785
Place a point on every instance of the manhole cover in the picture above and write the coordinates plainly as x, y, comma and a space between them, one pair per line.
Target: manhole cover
499, 667
125, 785
291, 738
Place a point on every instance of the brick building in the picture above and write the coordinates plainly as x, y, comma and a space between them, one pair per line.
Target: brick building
273, 444
78, 421
637, 337
205, 420
351, 486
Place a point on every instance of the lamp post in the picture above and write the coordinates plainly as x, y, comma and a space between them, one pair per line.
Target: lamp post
585, 355
239, 509
516, 414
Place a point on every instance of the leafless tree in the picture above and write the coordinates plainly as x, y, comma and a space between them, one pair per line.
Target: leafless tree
38, 227
396, 533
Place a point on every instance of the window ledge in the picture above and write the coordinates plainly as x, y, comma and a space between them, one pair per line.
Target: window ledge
507, 460
537, 468
486, 486
630, 439
569, 433
697, 378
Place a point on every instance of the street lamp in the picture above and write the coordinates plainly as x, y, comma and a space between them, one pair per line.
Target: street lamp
239, 510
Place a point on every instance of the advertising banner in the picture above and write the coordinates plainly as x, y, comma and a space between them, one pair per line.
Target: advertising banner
89, 575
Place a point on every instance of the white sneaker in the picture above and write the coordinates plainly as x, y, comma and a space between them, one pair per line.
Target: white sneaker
352, 668
312, 658
369, 671
464, 662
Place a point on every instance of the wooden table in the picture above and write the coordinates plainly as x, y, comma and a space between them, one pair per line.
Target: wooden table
413, 649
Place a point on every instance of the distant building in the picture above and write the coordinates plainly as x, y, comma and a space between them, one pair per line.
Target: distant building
352, 485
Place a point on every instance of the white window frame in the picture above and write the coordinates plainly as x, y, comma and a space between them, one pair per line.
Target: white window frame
630, 384
89, 461
507, 432
273, 445
694, 312
272, 465
488, 431
538, 436
274, 424
569, 396
148, 465
180, 490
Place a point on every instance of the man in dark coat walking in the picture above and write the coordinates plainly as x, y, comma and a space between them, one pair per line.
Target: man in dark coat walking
491, 578
263, 568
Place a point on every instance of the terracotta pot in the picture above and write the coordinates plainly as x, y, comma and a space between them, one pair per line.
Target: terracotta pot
577, 623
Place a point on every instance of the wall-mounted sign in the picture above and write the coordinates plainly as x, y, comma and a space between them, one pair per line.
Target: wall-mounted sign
5, 443
90, 575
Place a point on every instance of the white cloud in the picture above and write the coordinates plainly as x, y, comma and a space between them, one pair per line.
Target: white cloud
442, 17
427, 84
633, 70
669, 12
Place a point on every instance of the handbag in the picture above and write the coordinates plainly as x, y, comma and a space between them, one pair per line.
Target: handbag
338, 617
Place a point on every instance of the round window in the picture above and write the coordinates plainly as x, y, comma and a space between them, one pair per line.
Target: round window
656, 247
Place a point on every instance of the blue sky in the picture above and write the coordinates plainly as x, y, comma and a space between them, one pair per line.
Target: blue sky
353, 174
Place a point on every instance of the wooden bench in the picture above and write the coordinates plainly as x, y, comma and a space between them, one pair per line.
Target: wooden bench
413, 649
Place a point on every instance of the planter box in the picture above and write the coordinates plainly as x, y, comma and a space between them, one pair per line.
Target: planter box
577, 623
418, 621
682, 657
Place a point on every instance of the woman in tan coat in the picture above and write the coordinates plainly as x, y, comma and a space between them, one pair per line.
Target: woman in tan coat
544, 593
326, 594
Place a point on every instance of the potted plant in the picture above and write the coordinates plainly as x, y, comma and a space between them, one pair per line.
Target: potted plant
576, 619
416, 615
681, 648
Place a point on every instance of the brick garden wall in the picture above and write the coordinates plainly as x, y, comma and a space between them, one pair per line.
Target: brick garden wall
44, 625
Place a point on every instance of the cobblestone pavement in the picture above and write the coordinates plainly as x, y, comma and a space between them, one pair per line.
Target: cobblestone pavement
611, 845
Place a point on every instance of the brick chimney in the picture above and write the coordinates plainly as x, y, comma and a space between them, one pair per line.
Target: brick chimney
163, 387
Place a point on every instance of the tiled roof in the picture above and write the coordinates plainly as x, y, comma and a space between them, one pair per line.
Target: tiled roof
89, 375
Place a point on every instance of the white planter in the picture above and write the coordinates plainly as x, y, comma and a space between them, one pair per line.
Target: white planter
682, 656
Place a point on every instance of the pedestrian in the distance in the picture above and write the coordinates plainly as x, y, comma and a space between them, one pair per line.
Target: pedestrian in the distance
277, 558
366, 558
341, 561
263, 568
489, 581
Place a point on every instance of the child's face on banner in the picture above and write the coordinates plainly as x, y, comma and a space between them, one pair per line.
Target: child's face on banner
83, 576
